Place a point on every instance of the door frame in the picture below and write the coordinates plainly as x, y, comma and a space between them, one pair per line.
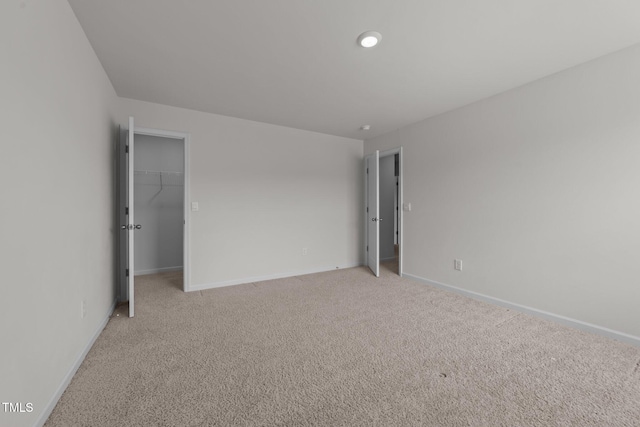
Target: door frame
386, 153
186, 252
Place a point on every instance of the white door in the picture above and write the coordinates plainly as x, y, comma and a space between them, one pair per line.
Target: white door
126, 217
373, 211
131, 228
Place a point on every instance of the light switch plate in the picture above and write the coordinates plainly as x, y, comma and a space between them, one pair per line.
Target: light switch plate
195, 207
406, 207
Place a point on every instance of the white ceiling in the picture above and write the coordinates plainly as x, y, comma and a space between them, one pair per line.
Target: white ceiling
296, 63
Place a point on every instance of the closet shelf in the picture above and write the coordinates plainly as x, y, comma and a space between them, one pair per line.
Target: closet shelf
146, 172
159, 178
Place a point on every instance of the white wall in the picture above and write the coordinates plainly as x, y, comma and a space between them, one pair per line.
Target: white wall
536, 190
387, 206
57, 218
159, 203
265, 192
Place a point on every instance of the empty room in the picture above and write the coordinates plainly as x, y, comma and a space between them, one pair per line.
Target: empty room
332, 213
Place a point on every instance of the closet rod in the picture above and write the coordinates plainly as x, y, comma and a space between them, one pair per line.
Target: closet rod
158, 172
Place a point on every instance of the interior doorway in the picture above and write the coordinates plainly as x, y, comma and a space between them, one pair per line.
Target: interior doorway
152, 194
389, 228
383, 212
159, 204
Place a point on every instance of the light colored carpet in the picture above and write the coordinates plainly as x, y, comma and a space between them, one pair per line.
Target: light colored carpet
344, 349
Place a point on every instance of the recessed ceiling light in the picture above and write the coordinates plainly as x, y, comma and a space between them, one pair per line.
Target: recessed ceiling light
369, 38
365, 127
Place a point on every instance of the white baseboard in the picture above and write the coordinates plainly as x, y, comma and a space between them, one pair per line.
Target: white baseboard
233, 282
158, 270
578, 324
74, 368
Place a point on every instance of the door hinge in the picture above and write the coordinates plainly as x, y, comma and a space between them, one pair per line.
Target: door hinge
126, 210
367, 170
367, 209
127, 272
126, 149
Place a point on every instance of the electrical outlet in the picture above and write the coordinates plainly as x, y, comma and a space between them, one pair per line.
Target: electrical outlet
304, 251
83, 309
457, 264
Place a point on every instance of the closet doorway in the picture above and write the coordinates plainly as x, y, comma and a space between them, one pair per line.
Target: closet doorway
383, 213
158, 180
389, 210
153, 195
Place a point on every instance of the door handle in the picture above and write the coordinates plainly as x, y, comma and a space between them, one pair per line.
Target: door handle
131, 227
374, 219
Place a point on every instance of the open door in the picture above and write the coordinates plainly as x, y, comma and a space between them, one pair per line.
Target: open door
126, 216
130, 226
373, 219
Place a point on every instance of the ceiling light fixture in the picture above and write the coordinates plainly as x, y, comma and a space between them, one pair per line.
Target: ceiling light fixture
365, 127
369, 38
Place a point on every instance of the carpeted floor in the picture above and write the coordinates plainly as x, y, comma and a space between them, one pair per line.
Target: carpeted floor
343, 348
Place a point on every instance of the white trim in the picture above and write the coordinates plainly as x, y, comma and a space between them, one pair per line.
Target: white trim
578, 324
242, 281
160, 132
186, 248
158, 270
387, 259
74, 368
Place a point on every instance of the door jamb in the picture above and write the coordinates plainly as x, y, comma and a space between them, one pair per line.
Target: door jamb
186, 253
